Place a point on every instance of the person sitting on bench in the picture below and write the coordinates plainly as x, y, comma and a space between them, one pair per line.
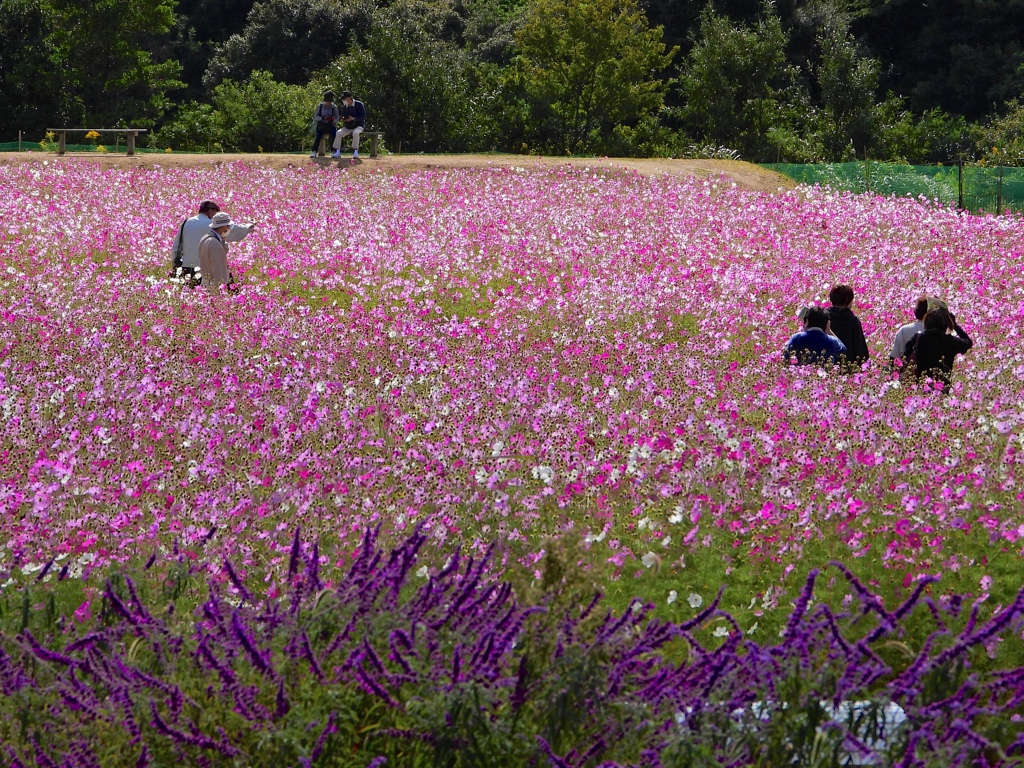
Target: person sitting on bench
353, 121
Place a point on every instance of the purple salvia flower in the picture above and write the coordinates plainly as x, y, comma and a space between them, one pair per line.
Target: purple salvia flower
397, 656
118, 606
46, 570
143, 761
518, 697
46, 654
307, 652
322, 739
377, 762
457, 664
372, 686
146, 567
249, 644
556, 761
313, 568
293, 560
282, 706
43, 760
245, 594
129, 716
140, 607
801, 604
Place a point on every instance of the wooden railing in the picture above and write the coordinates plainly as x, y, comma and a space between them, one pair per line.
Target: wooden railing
61, 134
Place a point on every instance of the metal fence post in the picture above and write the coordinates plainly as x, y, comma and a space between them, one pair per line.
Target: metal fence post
960, 183
999, 193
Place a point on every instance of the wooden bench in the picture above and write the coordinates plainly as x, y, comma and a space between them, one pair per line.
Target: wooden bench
62, 136
373, 136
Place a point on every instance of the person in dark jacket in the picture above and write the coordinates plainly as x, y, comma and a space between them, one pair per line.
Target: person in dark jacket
846, 325
933, 350
353, 121
326, 118
815, 344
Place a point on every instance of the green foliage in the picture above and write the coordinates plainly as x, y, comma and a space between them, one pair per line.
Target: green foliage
1001, 140
847, 82
109, 74
588, 67
290, 39
263, 115
194, 128
25, 74
738, 89
422, 92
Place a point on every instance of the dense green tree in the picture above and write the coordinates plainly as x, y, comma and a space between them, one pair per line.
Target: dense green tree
738, 90
290, 39
64, 62
963, 56
846, 84
1001, 139
26, 83
588, 66
262, 115
194, 127
201, 26
102, 52
418, 89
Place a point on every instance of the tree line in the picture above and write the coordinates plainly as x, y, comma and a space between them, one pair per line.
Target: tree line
783, 81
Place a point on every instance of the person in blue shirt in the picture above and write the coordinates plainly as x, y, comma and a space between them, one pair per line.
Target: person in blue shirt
815, 344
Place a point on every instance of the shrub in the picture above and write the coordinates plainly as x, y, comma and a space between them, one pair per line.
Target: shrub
450, 667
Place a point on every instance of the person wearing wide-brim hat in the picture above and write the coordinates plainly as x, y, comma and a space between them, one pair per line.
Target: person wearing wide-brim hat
213, 253
185, 250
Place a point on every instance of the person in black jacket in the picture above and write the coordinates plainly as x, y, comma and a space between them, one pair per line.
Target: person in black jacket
326, 120
846, 325
933, 350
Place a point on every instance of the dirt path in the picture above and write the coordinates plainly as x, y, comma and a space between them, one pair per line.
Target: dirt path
744, 174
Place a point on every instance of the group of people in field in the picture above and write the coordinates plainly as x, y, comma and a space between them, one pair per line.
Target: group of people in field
834, 336
200, 249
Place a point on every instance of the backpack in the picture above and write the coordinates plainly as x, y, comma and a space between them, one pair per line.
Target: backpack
910, 357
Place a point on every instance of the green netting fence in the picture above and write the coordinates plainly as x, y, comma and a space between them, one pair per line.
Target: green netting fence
975, 188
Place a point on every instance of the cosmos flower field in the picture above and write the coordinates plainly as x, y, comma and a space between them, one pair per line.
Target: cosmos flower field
567, 362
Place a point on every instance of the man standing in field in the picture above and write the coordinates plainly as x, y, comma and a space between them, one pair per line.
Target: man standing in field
185, 251
353, 120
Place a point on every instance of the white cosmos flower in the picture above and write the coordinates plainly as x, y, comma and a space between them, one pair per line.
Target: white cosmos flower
695, 600
649, 559
672, 597
721, 631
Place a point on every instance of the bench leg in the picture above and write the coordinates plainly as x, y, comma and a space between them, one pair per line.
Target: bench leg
131, 143
373, 145
62, 144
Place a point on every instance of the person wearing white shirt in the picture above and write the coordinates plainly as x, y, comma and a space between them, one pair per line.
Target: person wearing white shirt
185, 250
910, 330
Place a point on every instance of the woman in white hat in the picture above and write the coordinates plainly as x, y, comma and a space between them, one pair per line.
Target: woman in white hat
213, 253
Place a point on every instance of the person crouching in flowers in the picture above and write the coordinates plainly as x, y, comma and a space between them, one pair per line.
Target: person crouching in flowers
932, 351
213, 254
815, 344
